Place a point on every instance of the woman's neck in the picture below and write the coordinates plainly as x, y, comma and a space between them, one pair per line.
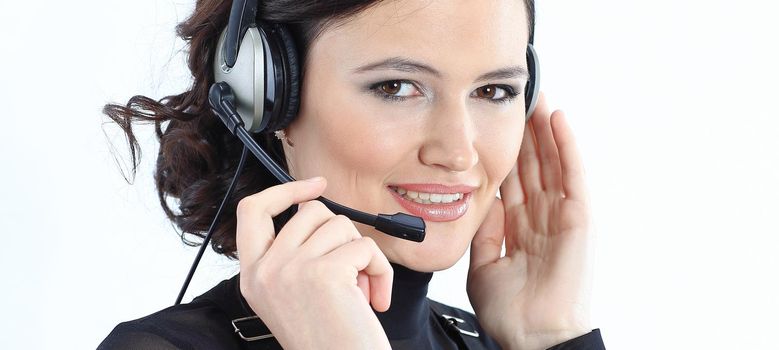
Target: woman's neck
409, 310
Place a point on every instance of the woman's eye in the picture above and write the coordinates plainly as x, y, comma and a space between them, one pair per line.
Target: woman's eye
495, 93
396, 90
400, 90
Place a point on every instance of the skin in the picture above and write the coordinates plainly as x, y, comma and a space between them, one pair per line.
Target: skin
448, 131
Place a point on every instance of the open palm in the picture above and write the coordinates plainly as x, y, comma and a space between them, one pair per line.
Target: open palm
536, 295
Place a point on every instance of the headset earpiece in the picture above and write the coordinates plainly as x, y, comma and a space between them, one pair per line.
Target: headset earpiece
290, 103
532, 89
287, 70
259, 61
245, 77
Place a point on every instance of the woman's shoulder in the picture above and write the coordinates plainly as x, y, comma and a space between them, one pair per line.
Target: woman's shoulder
463, 325
443, 309
467, 323
200, 324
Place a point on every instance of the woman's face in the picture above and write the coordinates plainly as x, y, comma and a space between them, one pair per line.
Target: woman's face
415, 95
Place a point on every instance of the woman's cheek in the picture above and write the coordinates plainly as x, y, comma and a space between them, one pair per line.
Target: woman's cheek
369, 133
500, 148
355, 139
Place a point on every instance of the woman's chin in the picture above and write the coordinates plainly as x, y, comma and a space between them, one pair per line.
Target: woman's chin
427, 265
437, 252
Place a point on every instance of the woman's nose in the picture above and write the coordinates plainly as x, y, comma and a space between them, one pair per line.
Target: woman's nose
450, 136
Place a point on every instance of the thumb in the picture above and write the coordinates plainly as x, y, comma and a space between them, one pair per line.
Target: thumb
488, 241
363, 282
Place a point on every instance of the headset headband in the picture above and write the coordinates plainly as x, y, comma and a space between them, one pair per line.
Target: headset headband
242, 16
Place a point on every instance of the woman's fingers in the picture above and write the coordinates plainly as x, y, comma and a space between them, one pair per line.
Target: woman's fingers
254, 231
570, 161
337, 231
488, 241
364, 255
311, 215
551, 174
313, 232
511, 190
364, 283
527, 163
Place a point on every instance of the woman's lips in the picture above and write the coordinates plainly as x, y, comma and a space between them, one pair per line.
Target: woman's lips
436, 212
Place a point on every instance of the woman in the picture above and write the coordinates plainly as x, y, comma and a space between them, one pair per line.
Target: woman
405, 105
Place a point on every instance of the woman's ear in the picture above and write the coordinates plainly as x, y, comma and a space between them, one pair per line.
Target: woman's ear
282, 135
288, 146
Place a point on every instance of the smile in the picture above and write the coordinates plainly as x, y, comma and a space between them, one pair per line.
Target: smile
427, 198
436, 206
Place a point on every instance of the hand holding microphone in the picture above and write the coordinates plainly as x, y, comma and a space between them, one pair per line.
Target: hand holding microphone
318, 277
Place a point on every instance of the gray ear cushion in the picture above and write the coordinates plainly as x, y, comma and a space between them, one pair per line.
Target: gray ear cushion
292, 80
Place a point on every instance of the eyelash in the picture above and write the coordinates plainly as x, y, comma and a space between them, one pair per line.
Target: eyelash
511, 93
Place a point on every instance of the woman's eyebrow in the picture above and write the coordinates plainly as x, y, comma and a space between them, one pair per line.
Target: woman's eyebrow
506, 73
403, 64
399, 64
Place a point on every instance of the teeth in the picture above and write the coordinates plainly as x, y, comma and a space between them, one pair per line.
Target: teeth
428, 198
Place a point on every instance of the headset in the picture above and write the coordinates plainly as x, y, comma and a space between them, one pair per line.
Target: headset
257, 90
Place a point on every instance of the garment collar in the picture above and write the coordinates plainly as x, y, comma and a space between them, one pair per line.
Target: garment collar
409, 310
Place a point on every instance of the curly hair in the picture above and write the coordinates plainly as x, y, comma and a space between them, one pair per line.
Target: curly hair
197, 155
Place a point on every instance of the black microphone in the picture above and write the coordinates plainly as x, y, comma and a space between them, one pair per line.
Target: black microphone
401, 225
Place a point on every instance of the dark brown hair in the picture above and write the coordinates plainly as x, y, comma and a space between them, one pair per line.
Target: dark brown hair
198, 156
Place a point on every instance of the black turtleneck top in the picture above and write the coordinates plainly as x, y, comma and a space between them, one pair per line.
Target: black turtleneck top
412, 322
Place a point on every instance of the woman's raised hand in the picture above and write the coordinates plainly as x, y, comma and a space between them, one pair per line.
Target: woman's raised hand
537, 295
312, 284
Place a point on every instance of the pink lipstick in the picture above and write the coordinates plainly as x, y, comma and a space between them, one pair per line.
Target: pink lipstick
433, 202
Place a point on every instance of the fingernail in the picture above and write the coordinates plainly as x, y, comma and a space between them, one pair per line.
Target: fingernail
314, 179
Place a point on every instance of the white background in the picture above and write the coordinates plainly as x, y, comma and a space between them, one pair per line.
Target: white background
673, 104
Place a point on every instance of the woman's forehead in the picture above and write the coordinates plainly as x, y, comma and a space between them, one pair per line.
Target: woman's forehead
440, 33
